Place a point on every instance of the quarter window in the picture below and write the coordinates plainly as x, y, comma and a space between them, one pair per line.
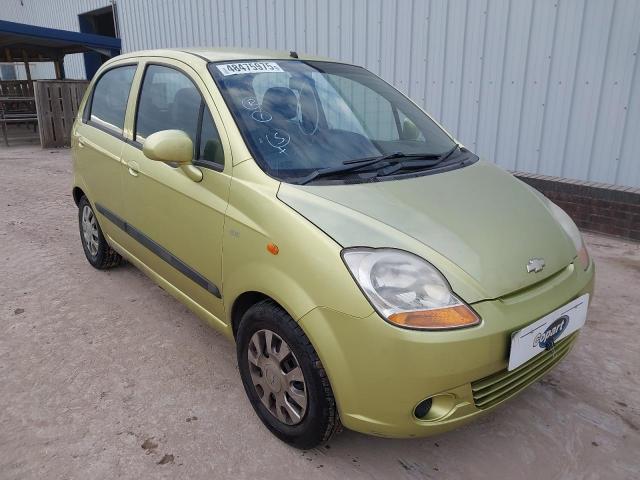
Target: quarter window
168, 100
110, 96
210, 146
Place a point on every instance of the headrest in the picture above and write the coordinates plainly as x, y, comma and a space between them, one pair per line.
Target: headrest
187, 99
281, 101
184, 111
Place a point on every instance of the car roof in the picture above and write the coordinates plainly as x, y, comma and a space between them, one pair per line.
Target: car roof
221, 54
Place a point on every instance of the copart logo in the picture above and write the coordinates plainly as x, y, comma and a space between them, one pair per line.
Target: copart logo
545, 339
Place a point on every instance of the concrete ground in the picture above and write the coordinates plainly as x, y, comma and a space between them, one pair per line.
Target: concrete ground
20, 134
104, 375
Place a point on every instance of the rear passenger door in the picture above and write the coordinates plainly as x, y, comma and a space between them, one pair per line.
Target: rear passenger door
99, 140
178, 223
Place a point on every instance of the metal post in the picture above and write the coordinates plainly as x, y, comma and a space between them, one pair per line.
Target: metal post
59, 66
27, 69
114, 12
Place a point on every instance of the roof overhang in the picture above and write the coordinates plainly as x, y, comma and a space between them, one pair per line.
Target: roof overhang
20, 42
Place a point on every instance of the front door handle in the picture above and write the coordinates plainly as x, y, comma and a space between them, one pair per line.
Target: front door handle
133, 168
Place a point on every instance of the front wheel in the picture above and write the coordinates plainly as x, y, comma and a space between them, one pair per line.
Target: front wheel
284, 378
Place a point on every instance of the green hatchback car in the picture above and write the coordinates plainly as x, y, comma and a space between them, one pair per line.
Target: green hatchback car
372, 271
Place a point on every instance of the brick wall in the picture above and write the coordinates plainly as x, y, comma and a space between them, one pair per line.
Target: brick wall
596, 207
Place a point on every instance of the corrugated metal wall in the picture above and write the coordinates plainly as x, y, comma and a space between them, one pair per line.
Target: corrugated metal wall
545, 86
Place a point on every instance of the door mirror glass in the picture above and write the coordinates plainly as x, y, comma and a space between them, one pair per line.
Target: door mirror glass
169, 146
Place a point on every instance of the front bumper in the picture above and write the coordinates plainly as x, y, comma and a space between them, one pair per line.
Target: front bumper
379, 373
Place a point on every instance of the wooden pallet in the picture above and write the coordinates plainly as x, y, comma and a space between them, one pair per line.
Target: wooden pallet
16, 88
57, 103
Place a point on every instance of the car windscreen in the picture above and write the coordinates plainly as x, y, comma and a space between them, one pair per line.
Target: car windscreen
300, 117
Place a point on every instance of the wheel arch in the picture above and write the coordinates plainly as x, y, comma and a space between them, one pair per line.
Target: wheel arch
245, 301
242, 303
77, 193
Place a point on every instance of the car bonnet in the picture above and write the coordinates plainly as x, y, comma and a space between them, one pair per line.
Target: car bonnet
479, 220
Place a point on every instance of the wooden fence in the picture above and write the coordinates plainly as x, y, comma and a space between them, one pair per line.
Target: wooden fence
57, 103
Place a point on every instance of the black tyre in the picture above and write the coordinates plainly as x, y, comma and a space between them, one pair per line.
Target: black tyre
284, 378
96, 249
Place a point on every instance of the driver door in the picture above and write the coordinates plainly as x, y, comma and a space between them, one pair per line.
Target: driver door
176, 222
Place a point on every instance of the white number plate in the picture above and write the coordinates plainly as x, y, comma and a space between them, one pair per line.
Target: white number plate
248, 67
540, 335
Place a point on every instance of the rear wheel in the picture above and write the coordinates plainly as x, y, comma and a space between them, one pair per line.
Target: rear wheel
284, 378
96, 249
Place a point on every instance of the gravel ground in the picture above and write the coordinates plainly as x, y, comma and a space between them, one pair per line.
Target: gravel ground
104, 375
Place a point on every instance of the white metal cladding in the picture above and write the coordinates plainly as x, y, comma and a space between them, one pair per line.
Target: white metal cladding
541, 86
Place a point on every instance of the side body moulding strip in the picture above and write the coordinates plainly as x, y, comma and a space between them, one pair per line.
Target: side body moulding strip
160, 251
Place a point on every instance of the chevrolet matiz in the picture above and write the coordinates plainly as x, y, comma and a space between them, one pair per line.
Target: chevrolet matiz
372, 271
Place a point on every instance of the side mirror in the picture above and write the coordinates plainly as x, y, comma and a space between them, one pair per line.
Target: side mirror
409, 130
172, 146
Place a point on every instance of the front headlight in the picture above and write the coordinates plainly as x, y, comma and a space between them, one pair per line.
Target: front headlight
572, 231
407, 290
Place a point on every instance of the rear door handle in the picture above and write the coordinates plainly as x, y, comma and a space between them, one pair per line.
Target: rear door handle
81, 143
133, 168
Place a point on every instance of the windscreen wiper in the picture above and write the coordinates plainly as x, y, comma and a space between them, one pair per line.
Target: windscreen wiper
360, 163
429, 161
347, 166
388, 156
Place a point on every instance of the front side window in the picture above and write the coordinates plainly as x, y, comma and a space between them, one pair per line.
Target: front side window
110, 96
168, 101
303, 117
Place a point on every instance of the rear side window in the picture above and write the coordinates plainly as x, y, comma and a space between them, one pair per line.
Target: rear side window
168, 100
109, 99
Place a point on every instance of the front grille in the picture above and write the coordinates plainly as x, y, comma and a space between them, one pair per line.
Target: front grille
502, 385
